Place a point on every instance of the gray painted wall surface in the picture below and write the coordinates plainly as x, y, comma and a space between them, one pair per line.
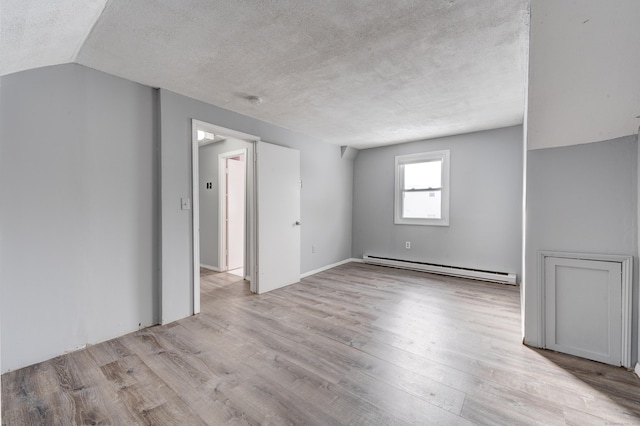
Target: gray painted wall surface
78, 248
485, 229
580, 198
326, 194
636, 264
209, 213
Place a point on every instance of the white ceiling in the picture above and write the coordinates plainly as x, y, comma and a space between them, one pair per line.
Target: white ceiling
360, 73
36, 33
584, 79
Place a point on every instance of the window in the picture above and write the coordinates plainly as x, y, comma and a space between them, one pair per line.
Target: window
422, 189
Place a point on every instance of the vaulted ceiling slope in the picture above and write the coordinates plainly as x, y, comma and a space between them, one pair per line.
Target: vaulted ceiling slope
361, 73
584, 78
37, 33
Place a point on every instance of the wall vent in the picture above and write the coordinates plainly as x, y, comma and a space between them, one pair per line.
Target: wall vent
476, 274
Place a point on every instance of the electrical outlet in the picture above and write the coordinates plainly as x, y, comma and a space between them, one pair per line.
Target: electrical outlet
407, 245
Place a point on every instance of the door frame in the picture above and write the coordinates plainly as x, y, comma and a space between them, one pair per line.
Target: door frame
222, 205
250, 237
627, 298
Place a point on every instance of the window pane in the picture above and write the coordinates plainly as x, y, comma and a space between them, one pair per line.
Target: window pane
423, 175
422, 189
422, 205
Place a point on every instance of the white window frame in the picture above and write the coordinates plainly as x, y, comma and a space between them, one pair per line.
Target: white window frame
421, 157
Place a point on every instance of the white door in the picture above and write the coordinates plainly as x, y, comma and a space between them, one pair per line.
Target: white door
278, 186
235, 212
583, 306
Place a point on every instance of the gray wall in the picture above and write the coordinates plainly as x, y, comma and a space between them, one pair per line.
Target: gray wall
580, 198
78, 218
485, 229
208, 172
83, 239
326, 194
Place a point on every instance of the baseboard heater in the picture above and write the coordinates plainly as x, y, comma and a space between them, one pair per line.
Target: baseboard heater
476, 274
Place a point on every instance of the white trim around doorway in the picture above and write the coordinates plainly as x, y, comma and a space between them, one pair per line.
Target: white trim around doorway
195, 205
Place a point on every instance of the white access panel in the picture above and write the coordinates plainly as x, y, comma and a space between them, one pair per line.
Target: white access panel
278, 186
583, 308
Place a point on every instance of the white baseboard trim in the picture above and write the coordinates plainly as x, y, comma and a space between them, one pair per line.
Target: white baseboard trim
637, 369
333, 265
211, 268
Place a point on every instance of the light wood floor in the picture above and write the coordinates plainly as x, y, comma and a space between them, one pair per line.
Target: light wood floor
357, 344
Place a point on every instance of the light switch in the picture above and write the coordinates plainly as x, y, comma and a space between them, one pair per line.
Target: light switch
185, 203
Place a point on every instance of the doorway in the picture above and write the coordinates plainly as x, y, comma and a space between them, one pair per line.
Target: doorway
271, 238
210, 141
232, 211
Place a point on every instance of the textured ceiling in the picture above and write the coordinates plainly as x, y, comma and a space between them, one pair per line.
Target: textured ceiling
36, 33
359, 73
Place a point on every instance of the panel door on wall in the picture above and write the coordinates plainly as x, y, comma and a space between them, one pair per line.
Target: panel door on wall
583, 308
278, 182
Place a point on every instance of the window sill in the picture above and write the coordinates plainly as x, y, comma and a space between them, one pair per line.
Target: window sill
422, 222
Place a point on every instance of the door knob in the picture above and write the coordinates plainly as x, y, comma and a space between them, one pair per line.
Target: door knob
298, 223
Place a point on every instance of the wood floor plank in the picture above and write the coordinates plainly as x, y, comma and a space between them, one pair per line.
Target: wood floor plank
146, 395
191, 379
29, 398
86, 406
353, 345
